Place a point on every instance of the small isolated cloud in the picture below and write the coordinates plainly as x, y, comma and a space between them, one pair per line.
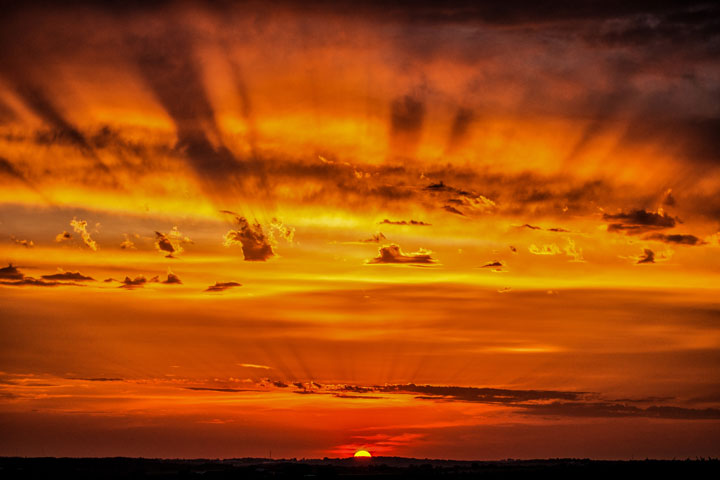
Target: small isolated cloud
404, 222
254, 365
377, 238
676, 239
127, 244
639, 221
648, 256
172, 279
80, 226
255, 245
62, 237
571, 250
392, 254
496, 266
170, 243
221, 286
531, 227
71, 276
551, 249
504, 289
513, 249
22, 243
136, 282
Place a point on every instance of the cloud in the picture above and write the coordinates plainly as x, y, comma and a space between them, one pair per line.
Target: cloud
675, 238
497, 266
376, 238
571, 250
22, 243
254, 365
404, 222
127, 244
62, 237
647, 257
171, 243
392, 254
11, 273
638, 221
451, 209
77, 276
285, 232
80, 226
136, 282
255, 244
221, 286
551, 249
531, 227
172, 279
12, 276
610, 410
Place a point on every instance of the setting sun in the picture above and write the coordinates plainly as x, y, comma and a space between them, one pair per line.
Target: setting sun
362, 454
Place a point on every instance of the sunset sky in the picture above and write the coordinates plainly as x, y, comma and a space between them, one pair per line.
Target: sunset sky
467, 230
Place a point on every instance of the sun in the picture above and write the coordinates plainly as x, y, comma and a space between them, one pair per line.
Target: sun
362, 453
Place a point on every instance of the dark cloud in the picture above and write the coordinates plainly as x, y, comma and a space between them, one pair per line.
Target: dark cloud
392, 254
675, 238
171, 243
172, 279
404, 222
513, 249
163, 244
252, 239
61, 237
376, 238
494, 264
540, 402
221, 286
130, 283
12, 276
451, 209
648, 256
480, 395
68, 276
98, 379
11, 272
638, 221
209, 389
610, 410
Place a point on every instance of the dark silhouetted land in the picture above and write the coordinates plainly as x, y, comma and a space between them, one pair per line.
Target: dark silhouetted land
378, 467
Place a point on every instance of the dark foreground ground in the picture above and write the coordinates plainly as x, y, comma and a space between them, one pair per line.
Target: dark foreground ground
378, 467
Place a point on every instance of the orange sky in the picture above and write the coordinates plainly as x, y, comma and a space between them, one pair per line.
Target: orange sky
474, 232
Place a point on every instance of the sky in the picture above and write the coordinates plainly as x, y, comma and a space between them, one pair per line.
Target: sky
462, 230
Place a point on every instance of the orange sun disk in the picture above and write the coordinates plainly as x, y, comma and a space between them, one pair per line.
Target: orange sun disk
362, 453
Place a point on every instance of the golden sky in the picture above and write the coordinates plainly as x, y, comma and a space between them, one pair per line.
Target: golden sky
471, 232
